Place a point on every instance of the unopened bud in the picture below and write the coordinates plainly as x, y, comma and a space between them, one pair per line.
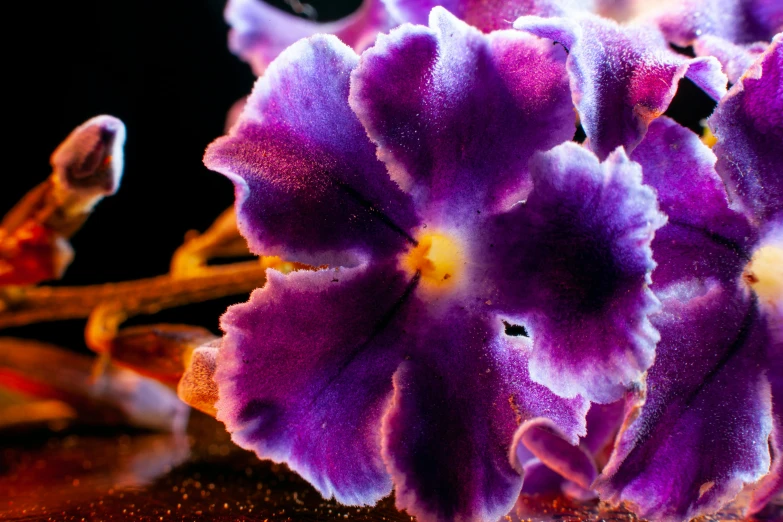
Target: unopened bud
90, 160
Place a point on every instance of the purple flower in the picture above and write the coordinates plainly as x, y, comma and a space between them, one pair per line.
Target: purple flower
705, 425
475, 282
259, 32
714, 404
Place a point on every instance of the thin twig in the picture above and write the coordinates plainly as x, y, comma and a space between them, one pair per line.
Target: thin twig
143, 296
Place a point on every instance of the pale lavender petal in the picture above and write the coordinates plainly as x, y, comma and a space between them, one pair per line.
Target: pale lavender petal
260, 32
736, 21
456, 405
454, 120
702, 433
735, 58
305, 373
571, 266
703, 237
308, 184
749, 126
486, 15
622, 77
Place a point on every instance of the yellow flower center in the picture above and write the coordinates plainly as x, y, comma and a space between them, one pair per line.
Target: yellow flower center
765, 275
438, 260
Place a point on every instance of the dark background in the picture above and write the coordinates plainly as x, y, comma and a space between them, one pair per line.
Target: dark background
164, 68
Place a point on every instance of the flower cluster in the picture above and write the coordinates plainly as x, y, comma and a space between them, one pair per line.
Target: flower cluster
498, 309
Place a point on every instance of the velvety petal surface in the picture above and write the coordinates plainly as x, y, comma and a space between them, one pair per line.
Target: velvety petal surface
571, 267
260, 32
486, 15
702, 433
735, 21
703, 236
305, 373
454, 119
622, 77
749, 126
456, 405
734, 58
308, 184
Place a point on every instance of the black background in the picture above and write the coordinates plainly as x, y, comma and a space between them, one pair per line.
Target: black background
164, 68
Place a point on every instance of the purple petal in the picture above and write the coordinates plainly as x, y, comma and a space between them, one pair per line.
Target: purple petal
735, 21
703, 237
454, 120
572, 265
772, 485
260, 32
486, 15
544, 440
622, 77
734, 58
309, 187
702, 433
539, 443
455, 408
304, 374
539, 479
749, 126
603, 423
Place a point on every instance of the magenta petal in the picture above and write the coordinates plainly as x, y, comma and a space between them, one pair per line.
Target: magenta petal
749, 126
703, 237
305, 372
702, 433
455, 408
309, 187
454, 120
622, 77
260, 32
572, 264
